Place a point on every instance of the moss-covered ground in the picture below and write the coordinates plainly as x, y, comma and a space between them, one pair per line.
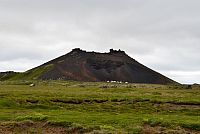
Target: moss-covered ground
89, 107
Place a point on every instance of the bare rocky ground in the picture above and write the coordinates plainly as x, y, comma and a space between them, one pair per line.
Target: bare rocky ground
147, 129
29, 127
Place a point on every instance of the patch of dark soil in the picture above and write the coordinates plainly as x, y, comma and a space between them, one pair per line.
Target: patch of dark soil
99, 101
67, 101
79, 101
130, 101
32, 101
147, 129
87, 101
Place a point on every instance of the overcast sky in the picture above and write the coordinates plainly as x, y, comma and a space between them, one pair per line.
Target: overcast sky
161, 34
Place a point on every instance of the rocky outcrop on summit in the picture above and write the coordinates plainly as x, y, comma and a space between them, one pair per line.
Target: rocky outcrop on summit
116, 65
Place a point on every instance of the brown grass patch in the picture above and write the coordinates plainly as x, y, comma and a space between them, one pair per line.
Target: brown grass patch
30, 127
147, 129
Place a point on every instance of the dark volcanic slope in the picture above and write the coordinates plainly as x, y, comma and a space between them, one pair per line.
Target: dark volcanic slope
91, 66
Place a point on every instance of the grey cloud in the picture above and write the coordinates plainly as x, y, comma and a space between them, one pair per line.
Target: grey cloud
163, 35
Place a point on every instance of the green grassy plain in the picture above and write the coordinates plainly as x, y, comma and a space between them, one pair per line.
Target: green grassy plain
89, 107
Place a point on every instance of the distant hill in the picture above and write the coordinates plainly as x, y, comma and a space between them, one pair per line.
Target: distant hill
7, 75
80, 65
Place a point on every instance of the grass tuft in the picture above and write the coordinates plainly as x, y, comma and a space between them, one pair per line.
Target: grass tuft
35, 117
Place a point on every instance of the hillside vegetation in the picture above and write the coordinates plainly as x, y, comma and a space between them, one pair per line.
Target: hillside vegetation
32, 74
95, 107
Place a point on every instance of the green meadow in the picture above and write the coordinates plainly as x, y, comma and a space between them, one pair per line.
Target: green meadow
95, 107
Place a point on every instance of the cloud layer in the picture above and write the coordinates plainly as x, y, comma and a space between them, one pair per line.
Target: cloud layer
163, 35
